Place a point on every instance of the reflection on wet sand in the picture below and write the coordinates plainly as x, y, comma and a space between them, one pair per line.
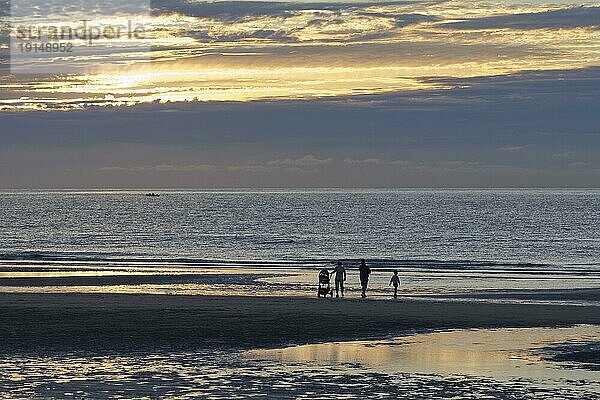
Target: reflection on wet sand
290, 280
507, 353
221, 375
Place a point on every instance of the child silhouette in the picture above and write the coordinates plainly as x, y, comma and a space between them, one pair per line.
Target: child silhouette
396, 282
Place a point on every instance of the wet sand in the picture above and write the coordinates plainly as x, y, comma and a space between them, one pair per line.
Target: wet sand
121, 322
580, 294
556, 355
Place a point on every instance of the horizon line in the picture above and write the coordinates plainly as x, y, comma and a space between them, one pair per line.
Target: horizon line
308, 188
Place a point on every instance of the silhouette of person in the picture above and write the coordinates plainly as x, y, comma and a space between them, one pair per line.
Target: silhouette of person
365, 271
395, 281
340, 277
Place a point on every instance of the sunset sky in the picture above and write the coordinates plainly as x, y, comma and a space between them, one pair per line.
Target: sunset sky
309, 94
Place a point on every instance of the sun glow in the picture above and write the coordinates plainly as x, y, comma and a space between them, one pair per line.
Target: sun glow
311, 53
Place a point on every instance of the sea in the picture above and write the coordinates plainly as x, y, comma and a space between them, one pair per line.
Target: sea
274, 242
428, 228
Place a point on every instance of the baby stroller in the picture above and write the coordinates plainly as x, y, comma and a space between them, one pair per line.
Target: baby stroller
324, 284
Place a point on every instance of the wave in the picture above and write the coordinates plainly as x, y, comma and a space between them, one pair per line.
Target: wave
23, 259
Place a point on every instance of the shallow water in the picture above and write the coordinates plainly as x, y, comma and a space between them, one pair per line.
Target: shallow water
289, 280
501, 354
359, 370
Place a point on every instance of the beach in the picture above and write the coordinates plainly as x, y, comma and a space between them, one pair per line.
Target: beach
126, 322
213, 294
110, 345
148, 328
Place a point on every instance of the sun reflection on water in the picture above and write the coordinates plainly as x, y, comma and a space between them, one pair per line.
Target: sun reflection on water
350, 370
506, 353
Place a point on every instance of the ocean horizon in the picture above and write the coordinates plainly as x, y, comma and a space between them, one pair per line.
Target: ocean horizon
453, 226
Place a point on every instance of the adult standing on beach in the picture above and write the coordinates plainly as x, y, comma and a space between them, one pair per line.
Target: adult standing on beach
365, 271
340, 277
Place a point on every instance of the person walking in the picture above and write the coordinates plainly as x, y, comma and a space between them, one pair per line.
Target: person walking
340, 277
396, 282
365, 271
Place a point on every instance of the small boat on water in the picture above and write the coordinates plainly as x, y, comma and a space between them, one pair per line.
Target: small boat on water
152, 194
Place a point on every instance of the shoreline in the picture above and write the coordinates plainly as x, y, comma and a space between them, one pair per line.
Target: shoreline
33, 322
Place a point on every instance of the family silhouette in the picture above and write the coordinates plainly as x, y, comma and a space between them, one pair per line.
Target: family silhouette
339, 273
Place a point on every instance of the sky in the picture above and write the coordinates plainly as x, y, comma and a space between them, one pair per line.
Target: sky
308, 94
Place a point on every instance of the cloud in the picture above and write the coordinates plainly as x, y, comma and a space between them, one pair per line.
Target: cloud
566, 154
238, 9
576, 17
160, 168
244, 51
372, 161
512, 148
400, 162
425, 138
306, 161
